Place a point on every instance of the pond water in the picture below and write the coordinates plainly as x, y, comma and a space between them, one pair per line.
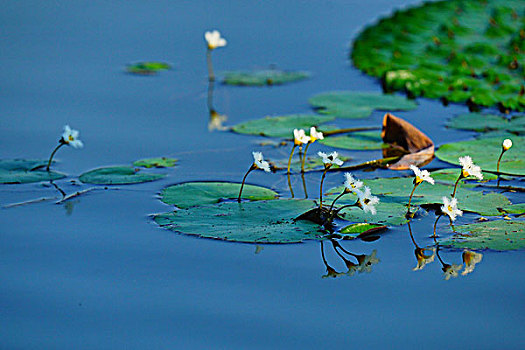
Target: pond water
97, 272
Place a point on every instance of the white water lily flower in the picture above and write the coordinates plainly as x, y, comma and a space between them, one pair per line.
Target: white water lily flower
70, 137
214, 39
300, 137
507, 144
259, 162
450, 208
315, 135
451, 271
367, 202
422, 258
366, 262
329, 159
469, 168
470, 259
352, 183
421, 175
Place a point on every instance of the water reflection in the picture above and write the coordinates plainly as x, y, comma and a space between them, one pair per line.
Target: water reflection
422, 258
216, 120
363, 262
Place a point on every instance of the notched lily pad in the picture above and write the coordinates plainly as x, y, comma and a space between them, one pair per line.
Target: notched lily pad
348, 104
281, 126
159, 162
495, 235
250, 222
18, 171
488, 122
263, 77
147, 68
117, 175
191, 194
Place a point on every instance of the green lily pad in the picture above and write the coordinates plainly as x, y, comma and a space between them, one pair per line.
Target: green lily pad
18, 171
311, 163
263, 77
361, 229
348, 104
485, 152
450, 176
251, 222
117, 175
191, 194
495, 235
488, 122
160, 162
365, 140
147, 68
281, 126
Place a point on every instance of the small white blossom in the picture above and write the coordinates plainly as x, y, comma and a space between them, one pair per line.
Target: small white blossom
329, 159
300, 137
450, 208
366, 262
422, 258
352, 183
367, 202
470, 259
451, 271
469, 168
422, 175
315, 135
259, 162
214, 39
70, 137
507, 144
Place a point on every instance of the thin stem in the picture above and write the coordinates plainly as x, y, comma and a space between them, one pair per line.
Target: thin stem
335, 200
290, 185
356, 204
243, 180
60, 144
411, 194
435, 224
211, 86
411, 236
321, 189
58, 189
497, 167
338, 245
304, 156
456, 184
290, 159
211, 75
322, 255
304, 186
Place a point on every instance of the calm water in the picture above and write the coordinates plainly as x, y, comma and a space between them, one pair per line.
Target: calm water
97, 273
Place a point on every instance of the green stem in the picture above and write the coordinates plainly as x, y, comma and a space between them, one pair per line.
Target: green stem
243, 180
304, 156
60, 144
411, 194
211, 75
499, 160
335, 200
456, 184
321, 189
290, 159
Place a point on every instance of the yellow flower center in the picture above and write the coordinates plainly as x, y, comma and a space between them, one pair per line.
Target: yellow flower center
71, 138
465, 173
449, 208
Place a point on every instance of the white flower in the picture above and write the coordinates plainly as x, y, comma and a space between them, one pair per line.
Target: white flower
300, 137
450, 208
214, 39
507, 144
366, 262
329, 159
469, 168
470, 259
367, 201
451, 271
70, 137
315, 135
423, 259
351, 183
421, 175
259, 162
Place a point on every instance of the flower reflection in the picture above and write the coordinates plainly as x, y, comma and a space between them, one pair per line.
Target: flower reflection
451, 271
470, 259
366, 262
216, 121
422, 258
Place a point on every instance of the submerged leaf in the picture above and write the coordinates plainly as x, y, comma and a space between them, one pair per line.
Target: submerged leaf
488, 122
18, 171
263, 77
147, 68
117, 175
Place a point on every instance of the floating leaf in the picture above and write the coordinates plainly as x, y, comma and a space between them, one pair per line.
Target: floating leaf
117, 175
191, 194
252, 222
263, 77
363, 140
147, 68
450, 175
361, 229
495, 235
485, 153
488, 122
281, 126
160, 162
348, 104
18, 171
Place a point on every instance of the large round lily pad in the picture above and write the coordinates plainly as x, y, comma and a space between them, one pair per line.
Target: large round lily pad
495, 235
281, 126
488, 122
349, 104
450, 175
191, 194
366, 140
18, 171
253, 222
263, 77
485, 153
463, 51
117, 175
